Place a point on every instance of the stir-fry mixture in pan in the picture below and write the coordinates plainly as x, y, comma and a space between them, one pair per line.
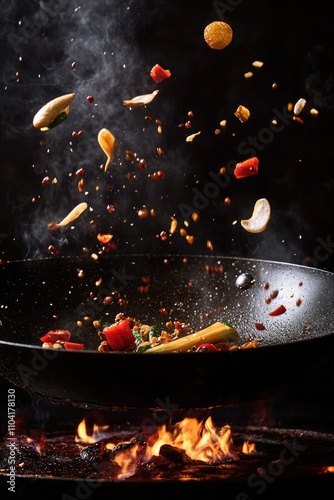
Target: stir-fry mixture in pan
128, 334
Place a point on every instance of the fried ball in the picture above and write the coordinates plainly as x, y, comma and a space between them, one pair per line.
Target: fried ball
218, 35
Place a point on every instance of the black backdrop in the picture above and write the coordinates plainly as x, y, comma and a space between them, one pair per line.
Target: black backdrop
106, 49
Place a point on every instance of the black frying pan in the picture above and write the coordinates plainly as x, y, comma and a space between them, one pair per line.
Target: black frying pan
37, 296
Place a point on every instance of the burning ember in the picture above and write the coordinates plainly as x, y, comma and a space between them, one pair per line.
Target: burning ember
190, 450
187, 441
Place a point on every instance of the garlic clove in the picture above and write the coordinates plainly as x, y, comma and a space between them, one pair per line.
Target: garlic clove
260, 217
140, 100
53, 113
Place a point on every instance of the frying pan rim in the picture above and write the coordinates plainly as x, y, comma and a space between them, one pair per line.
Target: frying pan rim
82, 352
163, 256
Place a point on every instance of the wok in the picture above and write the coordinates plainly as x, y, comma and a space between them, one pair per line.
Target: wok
40, 295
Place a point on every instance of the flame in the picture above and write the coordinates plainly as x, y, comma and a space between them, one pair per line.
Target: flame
330, 468
38, 443
84, 438
248, 448
200, 440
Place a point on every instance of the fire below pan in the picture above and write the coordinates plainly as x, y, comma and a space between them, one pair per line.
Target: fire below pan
42, 295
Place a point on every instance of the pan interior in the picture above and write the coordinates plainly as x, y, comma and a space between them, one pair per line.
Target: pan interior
38, 296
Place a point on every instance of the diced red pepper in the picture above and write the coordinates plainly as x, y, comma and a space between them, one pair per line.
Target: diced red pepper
159, 74
279, 310
119, 335
53, 335
260, 326
73, 345
246, 168
206, 347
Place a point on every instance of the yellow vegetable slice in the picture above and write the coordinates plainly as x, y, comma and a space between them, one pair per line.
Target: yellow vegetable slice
260, 217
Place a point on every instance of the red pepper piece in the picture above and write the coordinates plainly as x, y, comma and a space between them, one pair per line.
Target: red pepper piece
73, 345
260, 326
159, 74
119, 335
206, 347
53, 335
279, 310
246, 168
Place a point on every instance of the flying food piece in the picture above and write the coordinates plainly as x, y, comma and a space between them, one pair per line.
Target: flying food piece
107, 143
140, 100
299, 106
260, 217
242, 113
191, 137
218, 35
53, 113
74, 214
159, 74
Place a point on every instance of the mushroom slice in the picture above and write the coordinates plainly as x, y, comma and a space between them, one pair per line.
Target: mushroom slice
140, 100
53, 113
260, 217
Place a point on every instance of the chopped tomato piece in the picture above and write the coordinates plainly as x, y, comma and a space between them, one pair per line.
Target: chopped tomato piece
73, 345
246, 168
119, 335
279, 310
53, 335
159, 74
206, 347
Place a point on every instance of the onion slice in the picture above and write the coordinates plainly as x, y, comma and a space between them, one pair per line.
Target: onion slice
260, 217
141, 100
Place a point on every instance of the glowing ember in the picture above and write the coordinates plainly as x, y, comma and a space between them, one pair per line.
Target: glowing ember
38, 442
190, 439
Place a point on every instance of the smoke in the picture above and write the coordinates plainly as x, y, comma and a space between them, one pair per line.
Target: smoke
106, 50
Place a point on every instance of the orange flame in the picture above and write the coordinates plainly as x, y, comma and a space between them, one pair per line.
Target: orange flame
38, 443
200, 440
248, 448
84, 438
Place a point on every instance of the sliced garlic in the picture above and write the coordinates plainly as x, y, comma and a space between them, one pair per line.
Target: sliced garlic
191, 137
53, 113
74, 214
107, 142
260, 217
140, 100
299, 106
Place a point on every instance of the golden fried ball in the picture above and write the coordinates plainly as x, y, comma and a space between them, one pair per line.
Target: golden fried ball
218, 35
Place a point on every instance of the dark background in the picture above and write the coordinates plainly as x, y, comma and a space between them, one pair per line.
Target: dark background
106, 49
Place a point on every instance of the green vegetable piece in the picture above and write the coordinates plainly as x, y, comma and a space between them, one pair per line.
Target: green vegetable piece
59, 119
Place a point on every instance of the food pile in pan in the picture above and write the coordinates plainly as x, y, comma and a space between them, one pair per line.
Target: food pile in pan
127, 334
